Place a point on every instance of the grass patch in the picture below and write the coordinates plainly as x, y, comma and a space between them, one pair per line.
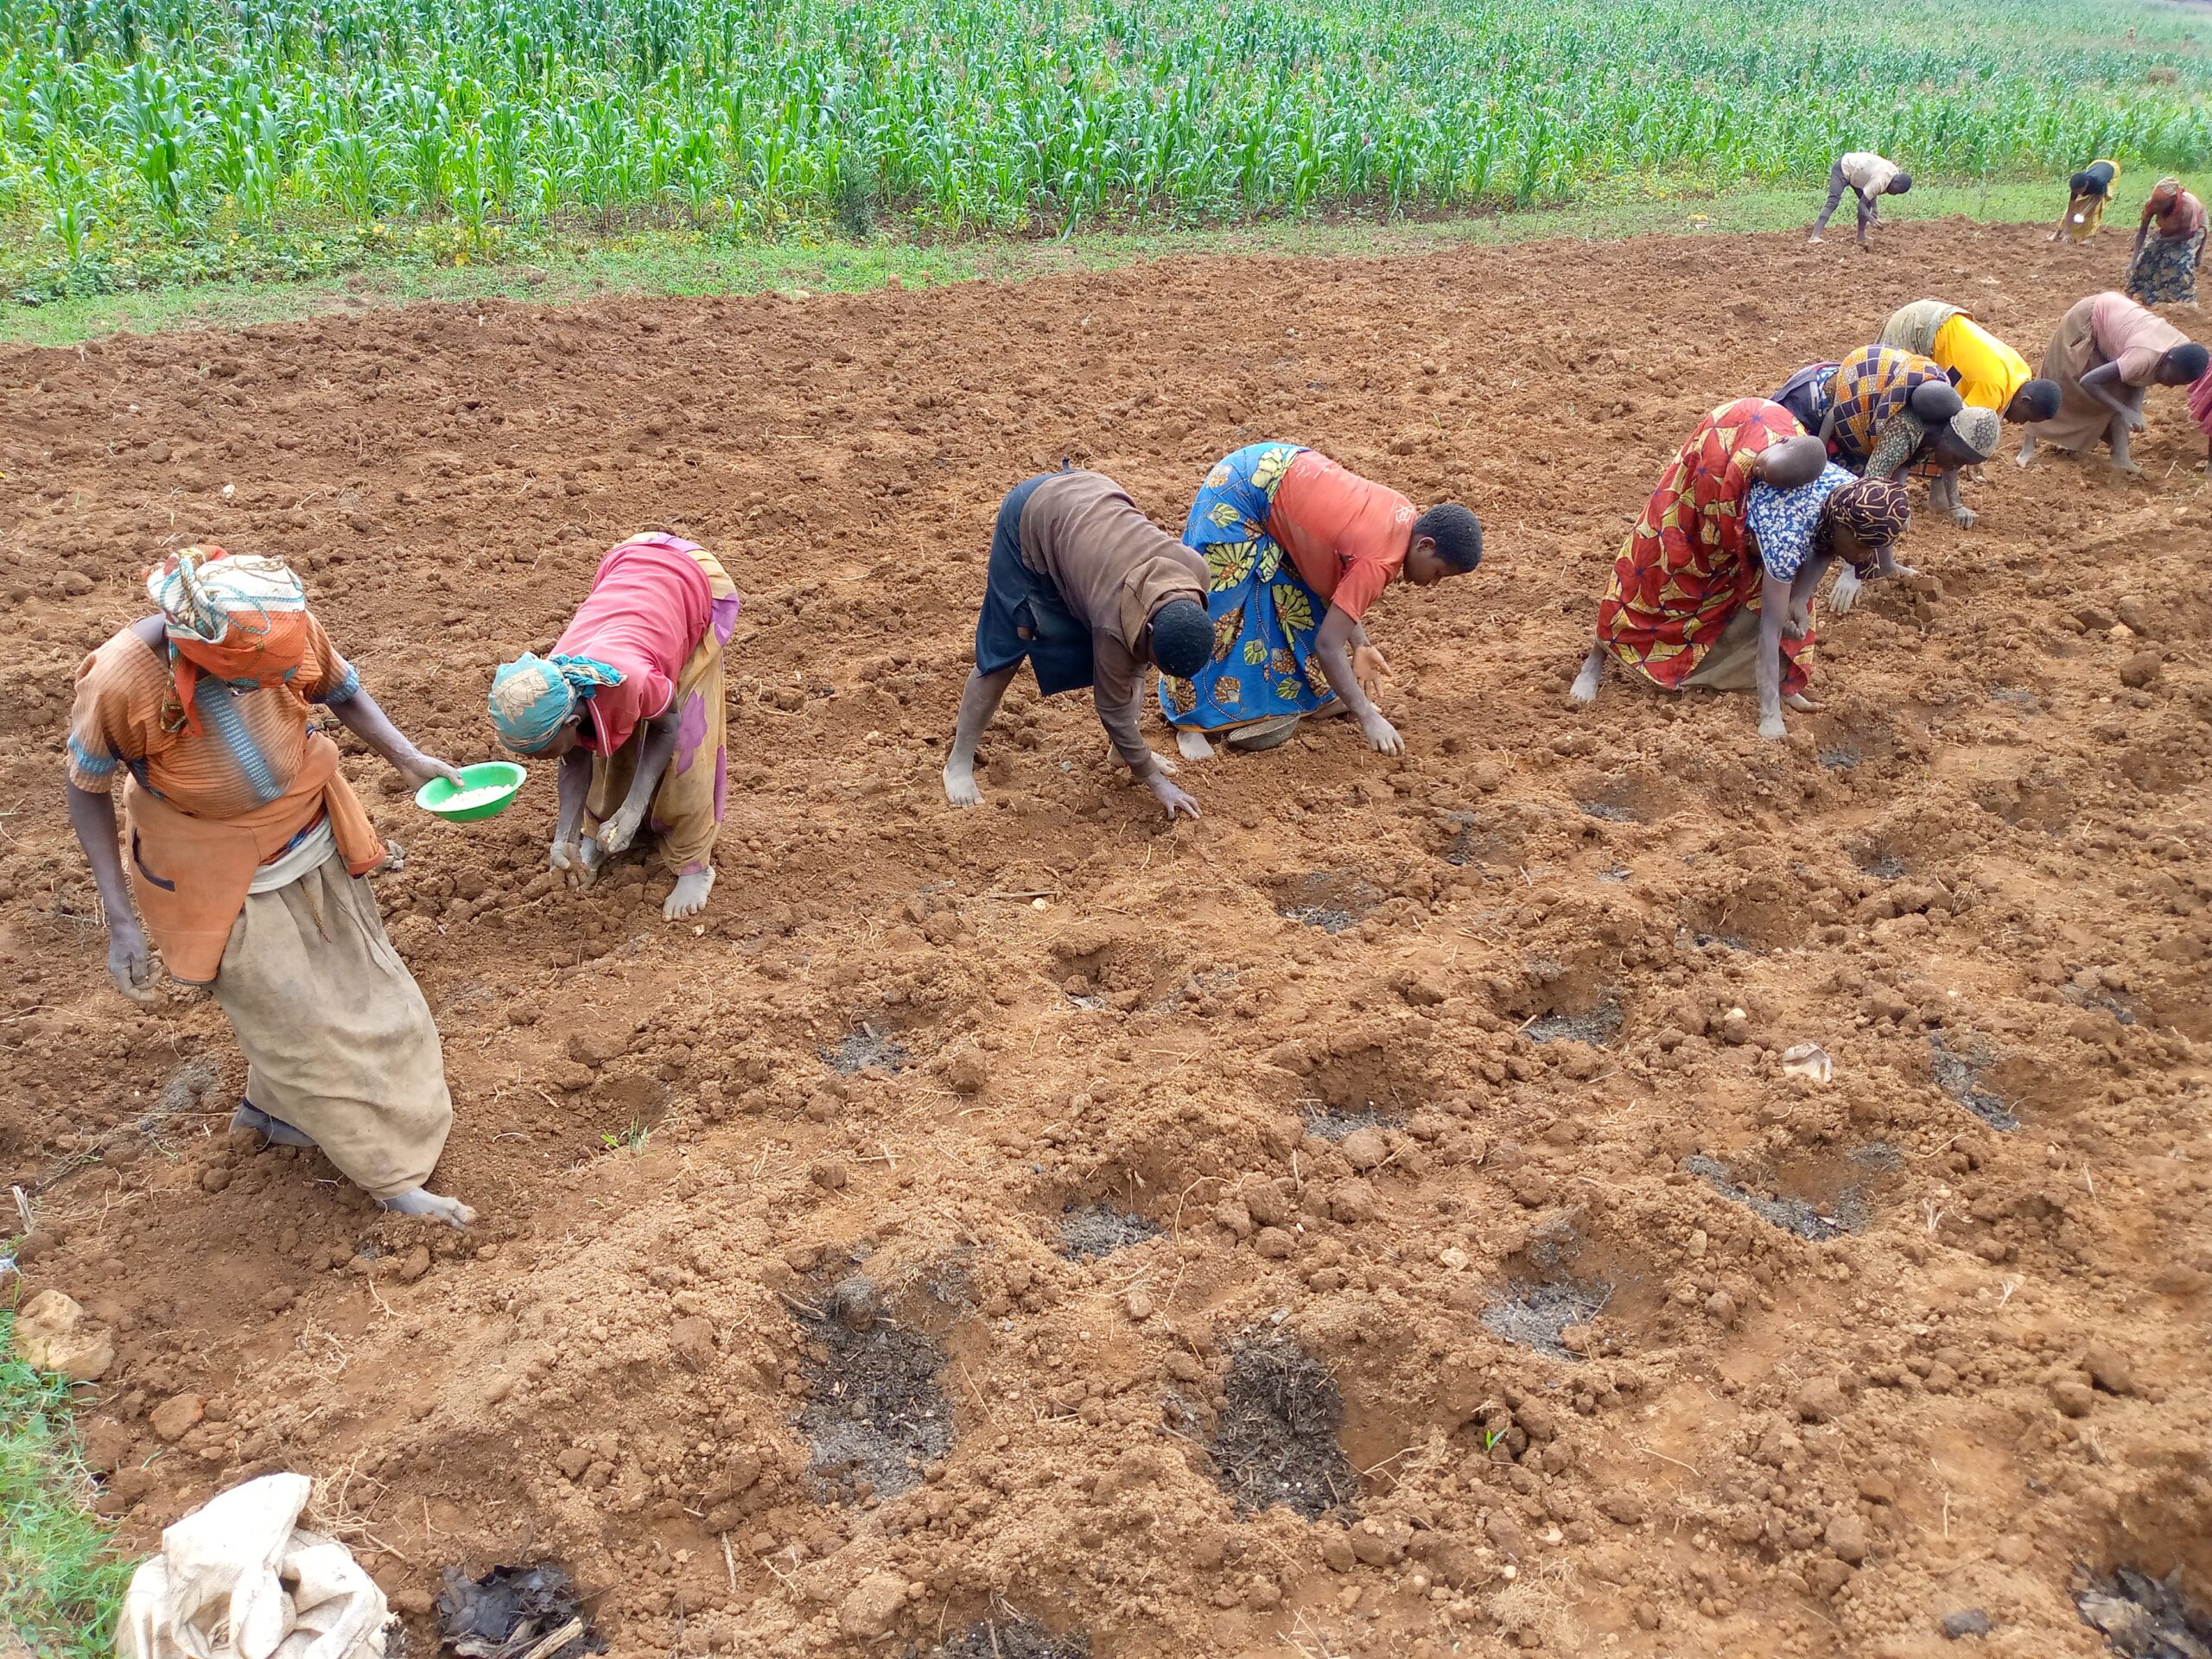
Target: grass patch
60, 1585
678, 263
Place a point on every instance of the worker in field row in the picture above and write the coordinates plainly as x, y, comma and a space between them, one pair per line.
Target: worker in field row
1088, 591
1881, 410
247, 854
2169, 247
2087, 194
1714, 589
631, 703
2107, 352
1297, 549
1869, 178
1988, 373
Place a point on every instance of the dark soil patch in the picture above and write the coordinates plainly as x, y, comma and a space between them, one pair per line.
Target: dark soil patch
512, 1610
1090, 1231
2124, 1009
2143, 1618
875, 1410
1886, 866
1276, 1440
1958, 1070
866, 1050
1333, 900
1015, 1638
1332, 1123
1844, 1205
1844, 757
1598, 1027
1536, 1316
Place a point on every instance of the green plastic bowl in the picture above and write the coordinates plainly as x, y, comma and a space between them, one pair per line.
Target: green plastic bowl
504, 775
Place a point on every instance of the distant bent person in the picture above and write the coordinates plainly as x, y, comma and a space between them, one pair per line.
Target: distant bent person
2107, 352
1088, 591
249, 858
1869, 178
631, 703
2169, 247
1881, 410
2088, 192
1988, 373
1297, 548
1714, 589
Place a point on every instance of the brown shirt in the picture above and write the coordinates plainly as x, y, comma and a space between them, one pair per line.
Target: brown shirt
1114, 569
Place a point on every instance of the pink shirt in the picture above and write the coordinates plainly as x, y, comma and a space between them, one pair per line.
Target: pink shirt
648, 609
2128, 334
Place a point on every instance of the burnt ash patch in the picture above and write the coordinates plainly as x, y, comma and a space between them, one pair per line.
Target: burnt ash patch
1536, 1314
1958, 1072
869, 1049
2143, 1618
876, 1410
1275, 1439
1090, 1231
1597, 1026
1847, 1209
1013, 1638
1333, 900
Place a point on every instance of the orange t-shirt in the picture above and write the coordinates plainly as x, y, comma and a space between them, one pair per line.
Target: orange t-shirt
1346, 537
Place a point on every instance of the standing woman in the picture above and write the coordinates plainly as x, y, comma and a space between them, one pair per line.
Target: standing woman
248, 857
1713, 588
2108, 352
631, 701
2169, 243
2086, 193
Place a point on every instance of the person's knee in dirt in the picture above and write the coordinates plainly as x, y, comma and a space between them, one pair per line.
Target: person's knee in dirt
1789, 465
220, 844
630, 703
1088, 591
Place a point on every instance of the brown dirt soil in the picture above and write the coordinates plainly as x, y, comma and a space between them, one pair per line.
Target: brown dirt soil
1860, 1358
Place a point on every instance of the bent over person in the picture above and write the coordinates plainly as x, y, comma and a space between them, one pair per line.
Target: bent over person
631, 702
1713, 588
2107, 352
1989, 375
1869, 178
1086, 590
248, 856
1297, 548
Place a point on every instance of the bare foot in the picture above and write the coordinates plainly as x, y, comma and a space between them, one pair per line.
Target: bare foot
960, 783
1801, 703
1166, 765
276, 1131
1191, 745
1772, 729
691, 895
420, 1202
2027, 453
1585, 688
1815, 239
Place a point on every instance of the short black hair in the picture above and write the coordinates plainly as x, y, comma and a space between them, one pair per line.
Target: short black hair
1182, 638
2044, 397
1900, 184
2190, 359
2085, 183
1458, 534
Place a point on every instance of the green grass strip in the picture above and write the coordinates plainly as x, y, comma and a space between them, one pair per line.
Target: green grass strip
60, 1583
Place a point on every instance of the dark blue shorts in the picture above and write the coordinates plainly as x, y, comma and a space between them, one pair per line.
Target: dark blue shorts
1024, 616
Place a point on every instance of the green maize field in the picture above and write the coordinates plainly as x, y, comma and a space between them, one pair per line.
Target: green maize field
143, 140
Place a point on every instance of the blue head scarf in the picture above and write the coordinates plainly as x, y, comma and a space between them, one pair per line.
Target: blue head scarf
533, 696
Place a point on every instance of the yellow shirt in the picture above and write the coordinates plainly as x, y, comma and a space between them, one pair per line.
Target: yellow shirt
1991, 374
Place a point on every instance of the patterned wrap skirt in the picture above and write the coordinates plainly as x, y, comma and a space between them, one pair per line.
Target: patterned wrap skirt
2164, 272
1265, 617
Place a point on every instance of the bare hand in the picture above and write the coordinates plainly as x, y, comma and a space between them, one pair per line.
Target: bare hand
1381, 735
129, 962
1170, 797
619, 831
418, 768
1370, 668
575, 861
2131, 419
1798, 623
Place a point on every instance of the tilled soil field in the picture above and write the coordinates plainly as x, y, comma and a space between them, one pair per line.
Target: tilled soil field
1375, 1219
